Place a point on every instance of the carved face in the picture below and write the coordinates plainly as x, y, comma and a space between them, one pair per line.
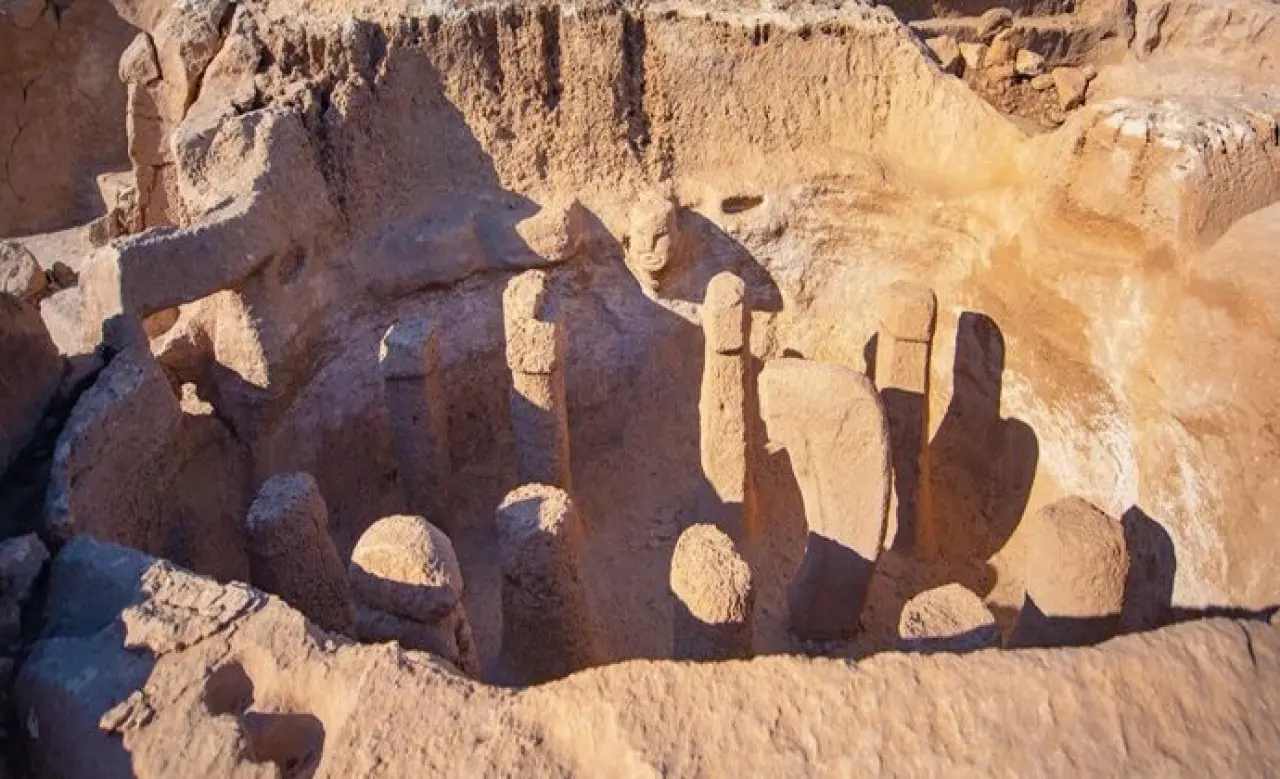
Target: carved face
652, 233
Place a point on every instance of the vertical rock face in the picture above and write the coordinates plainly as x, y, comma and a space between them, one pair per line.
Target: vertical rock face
907, 314
535, 355
950, 618
547, 629
1077, 565
419, 417
29, 377
291, 554
722, 403
408, 587
61, 110
832, 424
714, 597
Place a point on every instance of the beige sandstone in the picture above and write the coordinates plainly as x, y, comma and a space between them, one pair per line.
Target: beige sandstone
263, 189
832, 424
1077, 567
419, 417
547, 629
30, 379
408, 586
292, 555
535, 355
947, 619
714, 594
723, 407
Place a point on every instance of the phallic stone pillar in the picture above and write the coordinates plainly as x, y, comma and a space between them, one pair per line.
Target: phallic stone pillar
408, 587
1077, 566
291, 554
907, 314
722, 404
714, 597
547, 629
831, 422
950, 618
419, 417
535, 355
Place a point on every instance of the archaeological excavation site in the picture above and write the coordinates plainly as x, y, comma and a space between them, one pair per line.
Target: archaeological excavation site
639, 388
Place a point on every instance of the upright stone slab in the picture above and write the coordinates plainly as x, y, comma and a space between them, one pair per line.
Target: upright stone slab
722, 404
291, 554
907, 314
547, 629
419, 417
30, 370
408, 587
832, 424
714, 597
1077, 566
535, 355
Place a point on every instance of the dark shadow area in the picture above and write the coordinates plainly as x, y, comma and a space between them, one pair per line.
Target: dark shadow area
829, 590
1153, 565
905, 411
979, 467
1034, 628
970, 640
869, 351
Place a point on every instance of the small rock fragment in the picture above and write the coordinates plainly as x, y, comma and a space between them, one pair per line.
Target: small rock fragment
1042, 82
20, 274
1002, 51
950, 618
1072, 85
714, 594
973, 54
1028, 63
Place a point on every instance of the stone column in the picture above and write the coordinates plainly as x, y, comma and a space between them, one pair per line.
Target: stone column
291, 554
722, 404
408, 586
831, 422
419, 417
1077, 566
547, 629
907, 314
714, 597
535, 355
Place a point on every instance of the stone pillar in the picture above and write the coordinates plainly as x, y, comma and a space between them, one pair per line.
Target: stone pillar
1077, 566
408, 587
722, 404
950, 618
714, 597
831, 422
535, 354
547, 629
419, 417
907, 314
291, 554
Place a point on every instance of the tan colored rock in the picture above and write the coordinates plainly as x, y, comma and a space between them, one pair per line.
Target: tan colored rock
1077, 566
138, 62
907, 314
419, 417
947, 50
25, 393
408, 587
1028, 63
535, 354
947, 619
547, 627
973, 54
714, 597
653, 239
148, 671
832, 423
20, 274
1071, 84
992, 21
722, 404
1042, 82
292, 555
1003, 50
